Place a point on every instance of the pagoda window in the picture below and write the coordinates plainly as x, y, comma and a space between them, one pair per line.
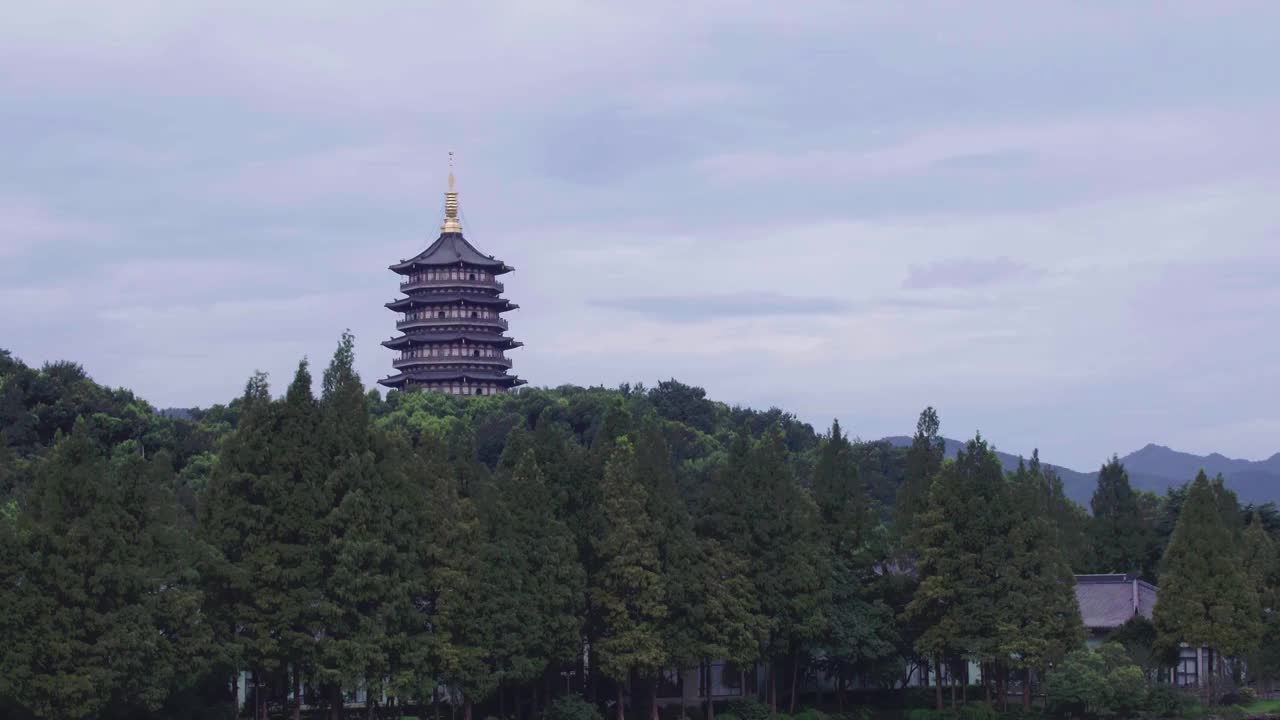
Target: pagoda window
440, 314
475, 314
472, 276
475, 353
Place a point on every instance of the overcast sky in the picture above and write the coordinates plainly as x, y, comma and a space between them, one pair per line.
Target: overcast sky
1059, 223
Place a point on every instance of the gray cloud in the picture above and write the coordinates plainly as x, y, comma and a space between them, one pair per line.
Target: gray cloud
966, 273
729, 194
693, 308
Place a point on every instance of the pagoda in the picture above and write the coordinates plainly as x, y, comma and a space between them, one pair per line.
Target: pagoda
454, 337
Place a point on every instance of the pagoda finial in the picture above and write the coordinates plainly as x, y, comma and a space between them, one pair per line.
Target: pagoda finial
451, 224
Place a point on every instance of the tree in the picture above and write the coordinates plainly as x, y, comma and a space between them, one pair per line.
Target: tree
678, 548
462, 587
961, 541
1117, 532
1206, 599
1262, 566
102, 607
726, 621
924, 459
233, 525
1039, 619
1099, 683
860, 635
628, 590
791, 565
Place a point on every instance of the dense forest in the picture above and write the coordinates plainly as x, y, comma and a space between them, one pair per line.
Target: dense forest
554, 552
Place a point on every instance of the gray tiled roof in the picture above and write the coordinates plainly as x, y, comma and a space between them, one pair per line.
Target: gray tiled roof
451, 249
1108, 601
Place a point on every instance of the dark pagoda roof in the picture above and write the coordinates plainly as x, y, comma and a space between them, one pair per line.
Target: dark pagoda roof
472, 375
446, 298
442, 337
451, 249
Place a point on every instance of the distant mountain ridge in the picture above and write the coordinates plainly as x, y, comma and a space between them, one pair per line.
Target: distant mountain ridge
1156, 468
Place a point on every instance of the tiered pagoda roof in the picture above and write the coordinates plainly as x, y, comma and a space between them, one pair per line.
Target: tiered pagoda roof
454, 337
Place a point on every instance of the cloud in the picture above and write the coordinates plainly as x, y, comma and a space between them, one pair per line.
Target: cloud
847, 210
693, 308
967, 273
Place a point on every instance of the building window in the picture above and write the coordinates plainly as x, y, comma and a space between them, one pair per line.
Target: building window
472, 276
475, 353
440, 314
1187, 672
479, 391
475, 314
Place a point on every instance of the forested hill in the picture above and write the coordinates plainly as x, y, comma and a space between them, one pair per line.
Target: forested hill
344, 539
1077, 485
1157, 469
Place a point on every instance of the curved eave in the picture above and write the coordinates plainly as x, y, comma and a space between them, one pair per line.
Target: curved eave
449, 299
499, 378
437, 338
451, 250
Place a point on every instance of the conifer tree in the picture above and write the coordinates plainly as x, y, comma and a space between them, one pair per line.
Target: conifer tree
544, 585
284, 562
102, 611
924, 459
791, 560
1070, 520
861, 635
628, 590
678, 548
1262, 565
1206, 599
233, 522
727, 622
960, 538
1118, 529
1039, 619
461, 590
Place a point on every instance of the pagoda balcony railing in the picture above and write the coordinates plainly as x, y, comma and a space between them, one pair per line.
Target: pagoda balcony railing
451, 360
482, 284
449, 321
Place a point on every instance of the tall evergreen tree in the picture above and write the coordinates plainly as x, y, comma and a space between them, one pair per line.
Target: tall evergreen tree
1039, 619
1262, 565
462, 588
1117, 531
102, 610
628, 589
727, 623
860, 637
678, 548
961, 540
234, 523
1206, 599
791, 560
924, 459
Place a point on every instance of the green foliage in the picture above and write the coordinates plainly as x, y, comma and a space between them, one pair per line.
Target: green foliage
1118, 530
1165, 701
978, 711
747, 709
924, 459
571, 707
1101, 683
958, 568
422, 540
1038, 618
86, 629
931, 714
629, 588
1206, 598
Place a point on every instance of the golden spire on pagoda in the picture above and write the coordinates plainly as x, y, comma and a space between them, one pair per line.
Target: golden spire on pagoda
451, 224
